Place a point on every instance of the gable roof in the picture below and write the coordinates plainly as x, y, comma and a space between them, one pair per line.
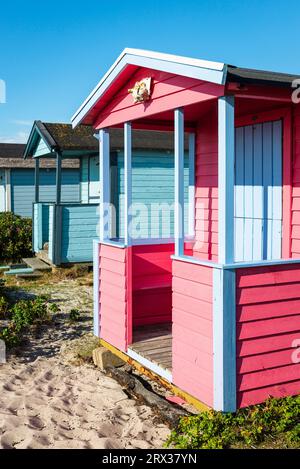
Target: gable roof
61, 137
214, 72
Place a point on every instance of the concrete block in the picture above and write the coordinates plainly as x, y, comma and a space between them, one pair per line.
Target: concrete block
103, 358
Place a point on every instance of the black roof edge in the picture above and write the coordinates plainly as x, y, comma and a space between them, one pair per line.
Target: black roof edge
262, 77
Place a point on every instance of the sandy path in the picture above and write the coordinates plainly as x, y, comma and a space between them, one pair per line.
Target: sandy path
48, 402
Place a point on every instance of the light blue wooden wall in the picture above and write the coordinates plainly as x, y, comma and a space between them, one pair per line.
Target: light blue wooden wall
51, 233
79, 228
41, 149
84, 179
152, 183
258, 191
22, 188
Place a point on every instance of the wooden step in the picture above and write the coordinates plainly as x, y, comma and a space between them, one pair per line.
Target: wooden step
27, 270
37, 264
43, 256
29, 276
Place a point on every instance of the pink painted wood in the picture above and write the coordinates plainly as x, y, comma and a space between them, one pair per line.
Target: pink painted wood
268, 322
113, 295
193, 330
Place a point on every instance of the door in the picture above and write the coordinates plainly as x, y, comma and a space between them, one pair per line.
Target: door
258, 191
2, 191
94, 183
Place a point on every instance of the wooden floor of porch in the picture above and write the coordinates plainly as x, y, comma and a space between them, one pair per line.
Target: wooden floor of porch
154, 343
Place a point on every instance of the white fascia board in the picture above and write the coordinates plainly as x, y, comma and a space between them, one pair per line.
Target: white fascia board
214, 72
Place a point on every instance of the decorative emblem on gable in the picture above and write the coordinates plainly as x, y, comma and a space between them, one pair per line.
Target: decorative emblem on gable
141, 91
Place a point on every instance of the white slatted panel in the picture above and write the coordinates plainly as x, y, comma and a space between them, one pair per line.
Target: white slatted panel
258, 192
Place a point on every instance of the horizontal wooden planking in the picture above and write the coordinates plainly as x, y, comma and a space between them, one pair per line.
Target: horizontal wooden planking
192, 337
112, 253
267, 327
112, 290
259, 379
247, 398
258, 345
191, 353
113, 266
112, 278
193, 289
194, 272
272, 309
188, 304
265, 361
192, 321
268, 322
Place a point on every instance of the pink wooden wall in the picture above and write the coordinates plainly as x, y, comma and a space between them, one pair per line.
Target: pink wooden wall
193, 330
268, 320
296, 184
112, 297
206, 245
169, 92
152, 284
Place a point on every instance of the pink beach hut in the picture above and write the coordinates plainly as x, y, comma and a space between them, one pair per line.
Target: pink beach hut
213, 311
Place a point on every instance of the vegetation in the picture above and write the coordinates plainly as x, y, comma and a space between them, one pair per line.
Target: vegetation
15, 237
250, 427
74, 315
22, 314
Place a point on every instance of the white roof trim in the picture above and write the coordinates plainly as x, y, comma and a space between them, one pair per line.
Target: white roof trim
214, 72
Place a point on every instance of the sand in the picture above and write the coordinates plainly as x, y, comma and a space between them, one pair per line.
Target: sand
47, 401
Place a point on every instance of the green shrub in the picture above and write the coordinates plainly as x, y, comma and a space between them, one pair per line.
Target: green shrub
15, 237
10, 336
74, 315
250, 426
4, 307
53, 307
26, 312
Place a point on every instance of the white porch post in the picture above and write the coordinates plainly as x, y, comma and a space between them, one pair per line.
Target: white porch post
179, 182
58, 177
127, 182
104, 154
226, 179
192, 141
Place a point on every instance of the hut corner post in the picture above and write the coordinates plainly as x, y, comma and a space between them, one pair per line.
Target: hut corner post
37, 181
224, 307
179, 181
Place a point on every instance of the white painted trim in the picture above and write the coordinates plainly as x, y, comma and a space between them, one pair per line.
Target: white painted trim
224, 340
179, 181
214, 72
127, 182
243, 265
8, 201
192, 157
96, 308
167, 375
226, 157
104, 174
195, 260
116, 244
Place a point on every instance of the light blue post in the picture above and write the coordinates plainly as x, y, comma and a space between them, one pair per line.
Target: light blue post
224, 340
104, 168
96, 321
179, 182
226, 137
127, 182
58, 177
36, 180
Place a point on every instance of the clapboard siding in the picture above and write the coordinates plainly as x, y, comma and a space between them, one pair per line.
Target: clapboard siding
206, 194
152, 189
152, 284
22, 188
51, 232
112, 295
79, 228
192, 364
268, 321
295, 244
168, 92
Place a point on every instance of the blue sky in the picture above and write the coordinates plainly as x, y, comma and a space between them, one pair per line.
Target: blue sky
53, 53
